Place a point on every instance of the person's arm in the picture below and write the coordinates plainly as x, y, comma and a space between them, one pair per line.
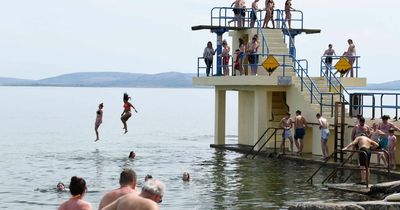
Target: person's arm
133, 108
204, 52
304, 122
394, 127
282, 124
353, 133
334, 53
111, 206
351, 144
374, 144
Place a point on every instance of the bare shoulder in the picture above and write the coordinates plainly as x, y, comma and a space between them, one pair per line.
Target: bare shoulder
85, 205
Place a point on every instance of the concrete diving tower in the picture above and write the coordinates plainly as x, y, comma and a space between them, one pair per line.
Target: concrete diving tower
263, 99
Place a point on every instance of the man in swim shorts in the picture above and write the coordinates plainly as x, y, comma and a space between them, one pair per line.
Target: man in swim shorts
324, 127
300, 125
286, 124
365, 144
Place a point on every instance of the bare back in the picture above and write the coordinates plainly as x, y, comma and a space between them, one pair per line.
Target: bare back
300, 122
114, 195
132, 201
323, 123
75, 204
365, 142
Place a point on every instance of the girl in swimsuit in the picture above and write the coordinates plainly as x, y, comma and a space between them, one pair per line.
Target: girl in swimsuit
126, 114
99, 120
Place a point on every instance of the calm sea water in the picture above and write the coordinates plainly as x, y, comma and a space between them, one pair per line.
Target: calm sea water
46, 136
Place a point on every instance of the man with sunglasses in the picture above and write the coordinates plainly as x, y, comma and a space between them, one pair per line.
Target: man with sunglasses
152, 193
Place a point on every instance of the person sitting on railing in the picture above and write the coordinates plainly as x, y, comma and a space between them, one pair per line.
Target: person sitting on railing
242, 53
350, 54
269, 13
225, 57
208, 55
328, 60
288, 15
365, 145
252, 49
253, 14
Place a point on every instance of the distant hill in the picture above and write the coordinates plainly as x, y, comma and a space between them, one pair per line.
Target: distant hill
108, 79
120, 79
14, 81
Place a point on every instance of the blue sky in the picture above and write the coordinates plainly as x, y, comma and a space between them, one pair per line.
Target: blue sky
45, 38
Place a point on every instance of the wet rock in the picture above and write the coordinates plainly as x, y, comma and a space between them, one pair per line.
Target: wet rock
325, 206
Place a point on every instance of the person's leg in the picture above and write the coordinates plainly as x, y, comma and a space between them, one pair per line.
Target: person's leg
296, 143
96, 127
326, 148
301, 146
291, 143
322, 147
282, 147
272, 20
207, 67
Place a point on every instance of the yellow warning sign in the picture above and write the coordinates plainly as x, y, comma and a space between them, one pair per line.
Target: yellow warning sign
270, 64
343, 65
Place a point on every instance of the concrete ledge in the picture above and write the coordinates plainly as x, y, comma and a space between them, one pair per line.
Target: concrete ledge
368, 205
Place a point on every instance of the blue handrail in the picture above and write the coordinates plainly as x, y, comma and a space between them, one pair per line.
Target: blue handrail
220, 16
382, 106
325, 67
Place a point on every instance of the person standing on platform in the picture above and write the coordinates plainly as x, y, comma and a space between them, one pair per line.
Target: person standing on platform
236, 11
126, 114
365, 145
225, 57
385, 126
208, 55
360, 128
242, 5
242, 53
392, 148
288, 14
252, 56
286, 124
324, 127
269, 13
328, 59
300, 125
350, 54
253, 14
99, 120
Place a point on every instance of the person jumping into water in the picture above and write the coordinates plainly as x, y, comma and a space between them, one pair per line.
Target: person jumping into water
99, 120
126, 114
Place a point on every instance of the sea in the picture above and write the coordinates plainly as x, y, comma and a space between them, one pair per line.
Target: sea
47, 136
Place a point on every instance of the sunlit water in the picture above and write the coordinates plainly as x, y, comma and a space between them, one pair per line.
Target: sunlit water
47, 136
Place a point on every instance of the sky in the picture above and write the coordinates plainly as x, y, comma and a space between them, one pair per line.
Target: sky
45, 38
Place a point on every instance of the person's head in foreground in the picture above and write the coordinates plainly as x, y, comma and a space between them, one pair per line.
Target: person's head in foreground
153, 189
77, 187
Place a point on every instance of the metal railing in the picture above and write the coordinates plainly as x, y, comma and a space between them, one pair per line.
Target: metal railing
358, 103
204, 66
275, 130
223, 16
325, 68
349, 158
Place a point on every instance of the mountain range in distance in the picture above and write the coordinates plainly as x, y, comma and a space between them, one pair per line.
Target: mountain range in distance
107, 79
120, 79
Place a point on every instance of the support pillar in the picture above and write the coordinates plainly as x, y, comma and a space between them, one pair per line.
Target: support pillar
220, 112
260, 114
219, 33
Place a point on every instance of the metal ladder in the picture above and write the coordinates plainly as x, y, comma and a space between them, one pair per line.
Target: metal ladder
340, 117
